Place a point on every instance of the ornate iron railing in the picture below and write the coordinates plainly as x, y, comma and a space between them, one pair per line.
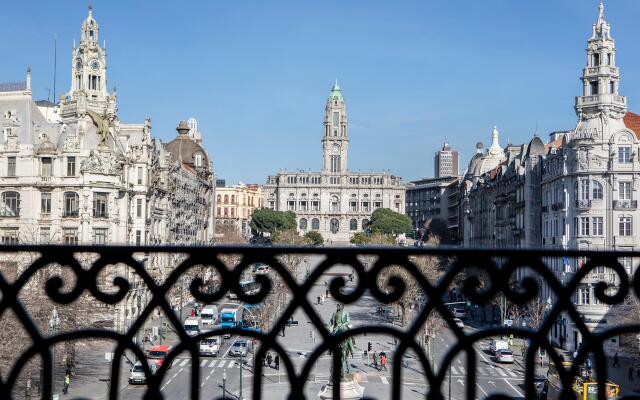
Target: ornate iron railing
480, 275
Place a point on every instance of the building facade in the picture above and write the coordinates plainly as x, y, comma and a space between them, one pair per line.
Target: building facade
335, 201
590, 183
446, 162
74, 173
431, 199
235, 206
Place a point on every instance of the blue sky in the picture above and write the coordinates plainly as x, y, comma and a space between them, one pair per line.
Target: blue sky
256, 74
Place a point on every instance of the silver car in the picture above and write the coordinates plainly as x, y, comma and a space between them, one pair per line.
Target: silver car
239, 348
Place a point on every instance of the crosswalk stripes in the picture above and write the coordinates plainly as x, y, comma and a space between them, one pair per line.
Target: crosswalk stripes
384, 380
481, 371
183, 363
213, 363
203, 362
461, 370
511, 373
454, 370
500, 371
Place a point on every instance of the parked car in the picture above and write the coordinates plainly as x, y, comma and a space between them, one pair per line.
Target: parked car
504, 356
261, 269
497, 345
459, 322
239, 348
137, 375
459, 313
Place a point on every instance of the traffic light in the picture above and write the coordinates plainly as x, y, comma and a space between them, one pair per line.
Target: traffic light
368, 346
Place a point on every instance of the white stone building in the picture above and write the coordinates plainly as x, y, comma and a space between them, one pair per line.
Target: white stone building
590, 185
335, 201
76, 174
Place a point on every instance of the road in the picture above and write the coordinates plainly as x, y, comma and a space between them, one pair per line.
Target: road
300, 340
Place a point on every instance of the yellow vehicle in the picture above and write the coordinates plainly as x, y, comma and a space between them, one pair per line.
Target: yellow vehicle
588, 389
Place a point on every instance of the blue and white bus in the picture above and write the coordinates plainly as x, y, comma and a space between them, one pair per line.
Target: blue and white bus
230, 317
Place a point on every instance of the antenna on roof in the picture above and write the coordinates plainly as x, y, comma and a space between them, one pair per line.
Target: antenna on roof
55, 65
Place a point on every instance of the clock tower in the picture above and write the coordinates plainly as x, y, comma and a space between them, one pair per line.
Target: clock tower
89, 74
335, 143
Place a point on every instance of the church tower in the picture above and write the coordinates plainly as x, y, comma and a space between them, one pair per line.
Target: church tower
601, 77
335, 143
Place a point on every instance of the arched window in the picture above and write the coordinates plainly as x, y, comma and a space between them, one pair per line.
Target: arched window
303, 224
315, 224
365, 223
335, 225
10, 204
233, 199
335, 204
597, 191
71, 204
353, 224
226, 199
219, 199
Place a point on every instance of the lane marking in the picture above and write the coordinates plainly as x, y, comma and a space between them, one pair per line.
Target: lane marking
231, 363
384, 380
514, 388
229, 348
203, 362
511, 373
455, 371
213, 363
500, 371
482, 390
165, 385
183, 363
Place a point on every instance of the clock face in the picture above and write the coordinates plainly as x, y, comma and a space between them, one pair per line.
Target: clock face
335, 148
95, 65
78, 64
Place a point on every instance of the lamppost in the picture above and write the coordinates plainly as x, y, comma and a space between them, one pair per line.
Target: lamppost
224, 383
241, 363
54, 327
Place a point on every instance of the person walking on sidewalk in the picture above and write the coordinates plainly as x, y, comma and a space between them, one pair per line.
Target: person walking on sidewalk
277, 360
67, 381
375, 359
616, 360
269, 359
383, 361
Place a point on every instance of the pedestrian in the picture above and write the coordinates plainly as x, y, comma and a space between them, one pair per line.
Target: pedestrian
322, 299
511, 339
277, 361
327, 292
193, 312
318, 300
269, 359
67, 381
283, 335
375, 359
523, 350
630, 373
616, 360
383, 361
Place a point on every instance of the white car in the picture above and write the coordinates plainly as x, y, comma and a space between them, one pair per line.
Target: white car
459, 313
504, 356
238, 349
137, 375
458, 322
497, 345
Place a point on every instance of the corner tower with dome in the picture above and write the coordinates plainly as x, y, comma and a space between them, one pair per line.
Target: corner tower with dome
334, 201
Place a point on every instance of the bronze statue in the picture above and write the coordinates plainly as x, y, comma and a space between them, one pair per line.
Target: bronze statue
102, 123
339, 323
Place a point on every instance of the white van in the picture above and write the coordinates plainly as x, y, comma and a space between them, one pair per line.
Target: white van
193, 326
137, 375
209, 315
497, 345
210, 346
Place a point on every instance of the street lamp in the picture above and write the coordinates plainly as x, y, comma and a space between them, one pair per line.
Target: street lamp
54, 326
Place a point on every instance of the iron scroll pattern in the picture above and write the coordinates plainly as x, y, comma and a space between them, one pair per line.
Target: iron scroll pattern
461, 261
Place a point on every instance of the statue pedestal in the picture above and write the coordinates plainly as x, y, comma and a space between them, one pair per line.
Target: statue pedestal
349, 389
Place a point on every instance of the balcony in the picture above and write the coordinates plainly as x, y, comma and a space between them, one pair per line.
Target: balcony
285, 294
625, 204
557, 206
583, 204
70, 214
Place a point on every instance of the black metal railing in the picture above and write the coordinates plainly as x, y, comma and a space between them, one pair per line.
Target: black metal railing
480, 275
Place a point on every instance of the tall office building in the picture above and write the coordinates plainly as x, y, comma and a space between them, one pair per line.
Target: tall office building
446, 162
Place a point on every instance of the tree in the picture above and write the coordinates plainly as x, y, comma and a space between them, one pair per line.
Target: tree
389, 222
314, 238
271, 221
359, 238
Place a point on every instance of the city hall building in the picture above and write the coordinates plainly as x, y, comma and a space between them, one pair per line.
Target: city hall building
335, 201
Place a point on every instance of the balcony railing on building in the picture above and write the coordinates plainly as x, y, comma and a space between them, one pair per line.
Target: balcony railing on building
625, 204
418, 280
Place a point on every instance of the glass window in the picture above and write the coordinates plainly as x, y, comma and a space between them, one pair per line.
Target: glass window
624, 190
303, 224
624, 154
315, 224
11, 166
597, 190
584, 189
335, 225
377, 204
336, 119
138, 237
10, 204
140, 172
9, 235
335, 204
71, 166
353, 224
70, 235
584, 226
100, 204
315, 205
139, 208
45, 234
303, 205
46, 167
100, 235
45, 202
624, 226
597, 223
291, 205
365, 206
71, 204
353, 206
